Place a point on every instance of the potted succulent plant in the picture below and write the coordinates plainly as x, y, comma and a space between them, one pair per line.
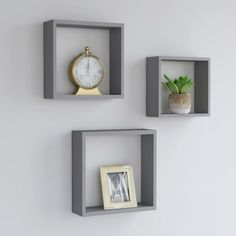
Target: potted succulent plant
179, 99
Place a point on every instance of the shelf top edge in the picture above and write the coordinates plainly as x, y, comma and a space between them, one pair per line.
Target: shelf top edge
170, 58
138, 131
78, 24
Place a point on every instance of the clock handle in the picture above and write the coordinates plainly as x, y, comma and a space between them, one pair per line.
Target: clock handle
87, 51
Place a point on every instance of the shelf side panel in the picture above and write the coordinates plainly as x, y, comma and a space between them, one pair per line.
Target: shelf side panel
77, 174
152, 86
148, 170
116, 61
201, 101
48, 40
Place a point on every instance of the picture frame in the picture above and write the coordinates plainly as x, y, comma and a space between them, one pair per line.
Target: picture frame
118, 188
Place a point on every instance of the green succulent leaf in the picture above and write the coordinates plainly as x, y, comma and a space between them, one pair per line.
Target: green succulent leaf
171, 86
186, 87
178, 84
183, 80
164, 84
167, 78
181, 85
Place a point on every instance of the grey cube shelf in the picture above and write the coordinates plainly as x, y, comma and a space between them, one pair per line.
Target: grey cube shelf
201, 87
116, 38
148, 171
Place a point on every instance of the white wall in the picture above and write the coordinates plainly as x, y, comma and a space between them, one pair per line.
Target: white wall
196, 156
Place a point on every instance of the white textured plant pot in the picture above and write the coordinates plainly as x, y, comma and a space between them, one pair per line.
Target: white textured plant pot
180, 103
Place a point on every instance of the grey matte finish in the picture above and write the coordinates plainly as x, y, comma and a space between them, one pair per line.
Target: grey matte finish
98, 210
49, 34
152, 86
148, 171
201, 88
86, 97
116, 33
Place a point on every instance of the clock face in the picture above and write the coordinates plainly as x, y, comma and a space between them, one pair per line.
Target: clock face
88, 72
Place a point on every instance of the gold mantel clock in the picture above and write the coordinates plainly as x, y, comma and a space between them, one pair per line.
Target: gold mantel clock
86, 71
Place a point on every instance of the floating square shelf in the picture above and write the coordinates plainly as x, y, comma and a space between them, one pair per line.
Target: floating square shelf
148, 171
154, 93
116, 55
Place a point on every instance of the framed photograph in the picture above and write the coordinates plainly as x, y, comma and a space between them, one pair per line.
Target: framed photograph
118, 188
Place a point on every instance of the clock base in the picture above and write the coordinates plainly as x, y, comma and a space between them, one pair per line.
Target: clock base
82, 91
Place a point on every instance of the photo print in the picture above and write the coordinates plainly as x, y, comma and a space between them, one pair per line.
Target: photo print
118, 187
